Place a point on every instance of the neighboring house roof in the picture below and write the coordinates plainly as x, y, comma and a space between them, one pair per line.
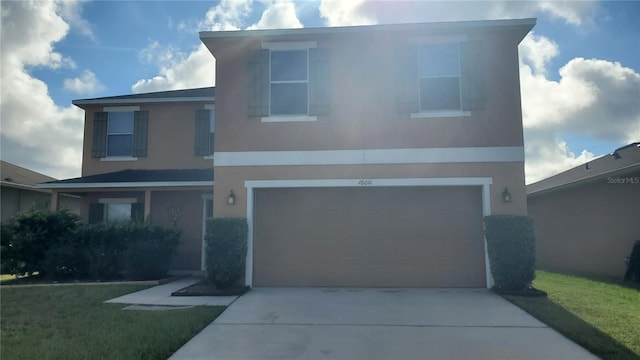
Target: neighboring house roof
206, 94
137, 178
16, 176
622, 161
525, 24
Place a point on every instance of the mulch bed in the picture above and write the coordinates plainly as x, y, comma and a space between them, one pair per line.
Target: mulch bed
203, 288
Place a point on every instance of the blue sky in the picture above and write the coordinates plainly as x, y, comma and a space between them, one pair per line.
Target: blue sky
579, 68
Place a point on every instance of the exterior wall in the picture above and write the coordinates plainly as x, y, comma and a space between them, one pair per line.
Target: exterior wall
587, 229
510, 175
363, 95
16, 200
171, 133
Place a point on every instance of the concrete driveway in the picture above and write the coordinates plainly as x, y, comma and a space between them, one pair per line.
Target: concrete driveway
323, 323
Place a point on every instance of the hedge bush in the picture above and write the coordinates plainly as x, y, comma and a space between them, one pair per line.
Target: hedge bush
44, 241
226, 250
633, 264
511, 250
58, 247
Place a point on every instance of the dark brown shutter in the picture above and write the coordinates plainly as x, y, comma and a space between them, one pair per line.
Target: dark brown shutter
259, 83
319, 82
472, 85
408, 83
99, 145
96, 213
137, 212
140, 125
201, 147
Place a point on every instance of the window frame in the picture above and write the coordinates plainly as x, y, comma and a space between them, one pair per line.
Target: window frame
439, 113
212, 127
109, 134
116, 201
289, 46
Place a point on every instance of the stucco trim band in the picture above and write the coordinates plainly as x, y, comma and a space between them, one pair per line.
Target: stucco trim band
371, 156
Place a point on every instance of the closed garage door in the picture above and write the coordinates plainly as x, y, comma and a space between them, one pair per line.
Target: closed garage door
369, 237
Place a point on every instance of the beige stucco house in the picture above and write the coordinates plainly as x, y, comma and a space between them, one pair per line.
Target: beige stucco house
368, 155
360, 156
586, 219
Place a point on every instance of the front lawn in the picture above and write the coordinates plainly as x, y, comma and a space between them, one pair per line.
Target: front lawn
72, 322
603, 317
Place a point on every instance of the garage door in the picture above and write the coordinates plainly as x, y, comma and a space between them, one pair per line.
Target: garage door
369, 237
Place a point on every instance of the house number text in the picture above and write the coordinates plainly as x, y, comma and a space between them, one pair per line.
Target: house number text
365, 182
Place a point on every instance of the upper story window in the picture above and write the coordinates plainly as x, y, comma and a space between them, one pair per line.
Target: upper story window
119, 134
441, 79
289, 82
289, 86
204, 132
439, 73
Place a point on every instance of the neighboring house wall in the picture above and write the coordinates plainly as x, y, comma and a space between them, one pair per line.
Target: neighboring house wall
16, 200
170, 139
587, 229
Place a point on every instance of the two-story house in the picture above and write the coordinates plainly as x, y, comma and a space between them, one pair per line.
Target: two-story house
368, 155
148, 156
360, 156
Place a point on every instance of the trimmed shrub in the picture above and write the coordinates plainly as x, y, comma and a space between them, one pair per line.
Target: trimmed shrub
511, 249
104, 249
226, 250
45, 241
633, 264
11, 262
149, 249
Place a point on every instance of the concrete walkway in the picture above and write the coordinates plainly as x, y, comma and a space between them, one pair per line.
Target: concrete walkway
161, 295
316, 323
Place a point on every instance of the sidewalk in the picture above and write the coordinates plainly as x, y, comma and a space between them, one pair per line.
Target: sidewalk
161, 295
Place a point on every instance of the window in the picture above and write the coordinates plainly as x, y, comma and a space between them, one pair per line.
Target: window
289, 82
117, 212
443, 79
212, 126
116, 209
120, 133
439, 72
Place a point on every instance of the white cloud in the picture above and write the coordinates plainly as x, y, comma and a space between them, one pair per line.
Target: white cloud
278, 15
86, 84
178, 70
36, 133
596, 99
344, 13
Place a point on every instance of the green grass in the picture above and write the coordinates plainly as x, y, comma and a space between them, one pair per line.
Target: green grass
72, 322
603, 317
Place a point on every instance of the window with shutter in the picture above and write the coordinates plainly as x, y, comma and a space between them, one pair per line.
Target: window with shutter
289, 82
202, 132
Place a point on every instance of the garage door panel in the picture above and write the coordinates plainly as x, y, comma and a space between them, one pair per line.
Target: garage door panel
387, 237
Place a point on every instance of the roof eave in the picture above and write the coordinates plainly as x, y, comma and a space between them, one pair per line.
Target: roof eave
526, 23
110, 101
130, 184
617, 172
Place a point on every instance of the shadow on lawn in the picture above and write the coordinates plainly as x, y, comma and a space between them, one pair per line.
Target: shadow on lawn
573, 327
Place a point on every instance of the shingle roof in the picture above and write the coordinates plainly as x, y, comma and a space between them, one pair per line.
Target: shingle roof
127, 178
14, 174
622, 160
199, 94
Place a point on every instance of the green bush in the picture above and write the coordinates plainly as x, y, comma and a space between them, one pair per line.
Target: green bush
633, 264
104, 249
511, 249
226, 250
44, 241
58, 247
149, 249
